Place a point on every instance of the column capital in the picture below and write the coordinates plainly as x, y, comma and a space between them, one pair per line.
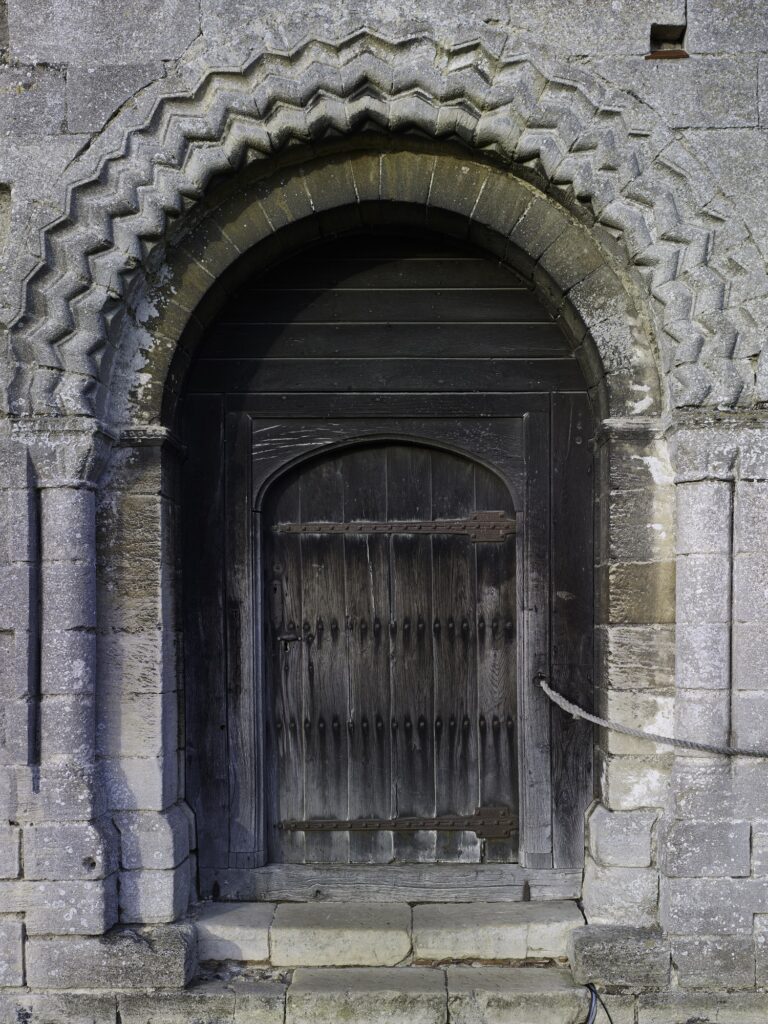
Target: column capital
65, 451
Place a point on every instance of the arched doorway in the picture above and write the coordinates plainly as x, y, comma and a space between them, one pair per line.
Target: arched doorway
401, 383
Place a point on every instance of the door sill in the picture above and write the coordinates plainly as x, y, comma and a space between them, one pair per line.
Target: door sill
388, 883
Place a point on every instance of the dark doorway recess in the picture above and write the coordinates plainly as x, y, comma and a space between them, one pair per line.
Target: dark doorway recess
387, 513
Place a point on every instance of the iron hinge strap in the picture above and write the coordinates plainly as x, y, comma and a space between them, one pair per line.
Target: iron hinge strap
486, 823
480, 527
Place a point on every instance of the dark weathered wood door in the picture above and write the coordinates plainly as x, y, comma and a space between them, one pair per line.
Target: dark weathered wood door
392, 652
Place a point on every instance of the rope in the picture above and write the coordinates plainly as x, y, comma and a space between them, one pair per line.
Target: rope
668, 741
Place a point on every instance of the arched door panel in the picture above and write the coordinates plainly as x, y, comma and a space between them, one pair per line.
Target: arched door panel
392, 654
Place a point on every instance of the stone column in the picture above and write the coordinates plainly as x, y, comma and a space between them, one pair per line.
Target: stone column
708, 894
68, 881
138, 733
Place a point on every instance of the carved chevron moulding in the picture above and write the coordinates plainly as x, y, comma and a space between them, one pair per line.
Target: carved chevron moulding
614, 156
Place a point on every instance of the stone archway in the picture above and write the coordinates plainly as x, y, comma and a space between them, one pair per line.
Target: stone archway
134, 268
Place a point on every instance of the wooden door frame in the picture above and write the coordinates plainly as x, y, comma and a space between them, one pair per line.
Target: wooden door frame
246, 667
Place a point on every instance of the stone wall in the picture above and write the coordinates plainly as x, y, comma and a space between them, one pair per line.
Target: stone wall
120, 125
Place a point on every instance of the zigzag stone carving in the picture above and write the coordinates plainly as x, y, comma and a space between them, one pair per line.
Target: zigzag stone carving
701, 270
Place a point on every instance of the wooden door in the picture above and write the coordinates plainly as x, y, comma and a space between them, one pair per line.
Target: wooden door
391, 652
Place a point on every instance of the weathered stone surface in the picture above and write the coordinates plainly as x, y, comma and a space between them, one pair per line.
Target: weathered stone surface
235, 1001
142, 783
644, 710
750, 585
715, 962
493, 931
703, 517
154, 839
682, 1007
81, 850
620, 838
234, 931
703, 655
62, 908
748, 716
620, 895
637, 593
750, 655
711, 906
41, 31
705, 849
702, 716
164, 957
155, 897
340, 935
630, 783
10, 846
11, 952
703, 92
636, 657
729, 26
619, 956
95, 93
496, 995
703, 588
367, 996
31, 101
58, 1007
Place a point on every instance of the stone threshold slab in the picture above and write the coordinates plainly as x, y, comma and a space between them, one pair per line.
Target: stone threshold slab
383, 934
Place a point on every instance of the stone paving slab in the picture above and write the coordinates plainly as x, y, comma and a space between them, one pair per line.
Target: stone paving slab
415, 995
234, 931
525, 995
493, 931
340, 935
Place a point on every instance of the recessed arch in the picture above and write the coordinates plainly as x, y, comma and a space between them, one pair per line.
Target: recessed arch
258, 223
558, 125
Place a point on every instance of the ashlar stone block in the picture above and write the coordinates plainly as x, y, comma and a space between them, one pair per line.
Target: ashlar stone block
711, 848
70, 850
618, 955
126, 958
340, 934
704, 517
42, 31
154, 897
715, 961
497, 995
11, 952
711, 906
621, 838
10, 845
234, 931
95, 93
155, 840
493, 931
367, 996
620, 895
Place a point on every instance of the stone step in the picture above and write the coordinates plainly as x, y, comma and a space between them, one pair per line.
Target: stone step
428, 995
355, 995
340, 935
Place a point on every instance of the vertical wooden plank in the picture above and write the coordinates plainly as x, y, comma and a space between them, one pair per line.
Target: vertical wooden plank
326, 682
497, 664
245, 711
572, 621
408, 497
207, 761
367, 588
282, 603
454, 639
534, 741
